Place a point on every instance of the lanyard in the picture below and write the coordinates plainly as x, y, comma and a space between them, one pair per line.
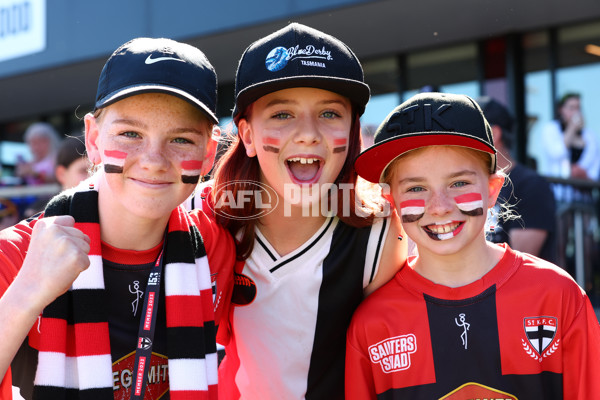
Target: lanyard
143, 352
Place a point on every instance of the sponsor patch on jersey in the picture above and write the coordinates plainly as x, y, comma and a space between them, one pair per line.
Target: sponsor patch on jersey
124, 377
472, 390
244, 290
540, 333
393, 354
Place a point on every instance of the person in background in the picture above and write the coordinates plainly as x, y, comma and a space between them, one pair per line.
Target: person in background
571, 150
72, 167
465, 318
72, 164
43, 140
527, 194
9, 214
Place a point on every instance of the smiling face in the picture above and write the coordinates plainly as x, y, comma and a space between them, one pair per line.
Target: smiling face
299, 135
152, 147
443, 206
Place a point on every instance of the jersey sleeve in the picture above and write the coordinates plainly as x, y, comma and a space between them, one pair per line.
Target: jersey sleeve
359, 384
581, 358
14, 242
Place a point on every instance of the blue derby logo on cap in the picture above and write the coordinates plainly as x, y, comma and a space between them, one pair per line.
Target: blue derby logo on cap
276, 59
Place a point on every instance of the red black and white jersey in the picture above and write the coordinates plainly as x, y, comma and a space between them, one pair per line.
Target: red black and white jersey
289, 314
125, 277
525, 330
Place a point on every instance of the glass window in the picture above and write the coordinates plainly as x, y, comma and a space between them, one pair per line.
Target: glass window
382, 76
538, 90
452, 69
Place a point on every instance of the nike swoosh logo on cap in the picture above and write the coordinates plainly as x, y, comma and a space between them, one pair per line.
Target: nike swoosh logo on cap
151, 60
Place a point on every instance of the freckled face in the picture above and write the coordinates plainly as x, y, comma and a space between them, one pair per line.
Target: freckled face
152, 146
299, 135
442, 205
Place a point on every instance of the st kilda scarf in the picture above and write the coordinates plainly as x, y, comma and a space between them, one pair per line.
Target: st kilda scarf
74, 359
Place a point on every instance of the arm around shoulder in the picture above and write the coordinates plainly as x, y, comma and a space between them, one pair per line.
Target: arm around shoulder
393, 256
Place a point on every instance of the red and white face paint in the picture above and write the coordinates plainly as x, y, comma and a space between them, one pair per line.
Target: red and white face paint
340, 145
191, 171
470, 204
412, 210
271, 144
114, 161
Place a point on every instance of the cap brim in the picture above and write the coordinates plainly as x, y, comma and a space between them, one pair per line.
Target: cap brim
371, 163
153, 88
357, 92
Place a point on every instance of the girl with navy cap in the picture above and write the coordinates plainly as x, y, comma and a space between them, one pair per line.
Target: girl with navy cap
309, 245
115, 288
464, 318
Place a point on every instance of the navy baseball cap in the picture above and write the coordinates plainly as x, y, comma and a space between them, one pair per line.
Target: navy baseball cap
427, 119
149, 65
298, 56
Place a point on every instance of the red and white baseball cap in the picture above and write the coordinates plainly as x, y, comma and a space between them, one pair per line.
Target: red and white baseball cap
427, 119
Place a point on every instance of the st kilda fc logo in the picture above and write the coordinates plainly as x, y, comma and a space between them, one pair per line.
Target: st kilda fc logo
540, 333
144, 343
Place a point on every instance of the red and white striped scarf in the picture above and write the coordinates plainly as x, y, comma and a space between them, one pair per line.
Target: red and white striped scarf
74, 359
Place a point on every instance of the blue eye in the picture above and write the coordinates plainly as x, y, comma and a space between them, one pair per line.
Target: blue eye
330, 114
460, 184
281, 115
181, 140
130, 134
415, 189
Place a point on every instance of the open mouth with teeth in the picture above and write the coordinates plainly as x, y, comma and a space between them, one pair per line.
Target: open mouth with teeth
304, 169
444, 231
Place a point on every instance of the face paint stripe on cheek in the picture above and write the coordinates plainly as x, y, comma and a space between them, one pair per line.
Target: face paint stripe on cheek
271, 149
470, 204
114, 160
340, 145
271, 141
412, 210
190, 171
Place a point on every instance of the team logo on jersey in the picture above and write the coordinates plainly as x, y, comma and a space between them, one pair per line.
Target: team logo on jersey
393, 354
474, 390
540, 333
244, 290
461, 322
